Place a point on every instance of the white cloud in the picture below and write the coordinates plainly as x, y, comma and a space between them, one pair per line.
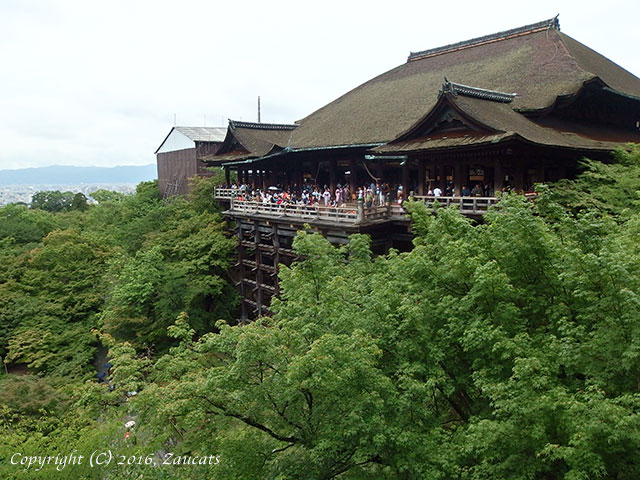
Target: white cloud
95, 83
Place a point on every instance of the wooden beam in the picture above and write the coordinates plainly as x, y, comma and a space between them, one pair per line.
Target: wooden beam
421, 176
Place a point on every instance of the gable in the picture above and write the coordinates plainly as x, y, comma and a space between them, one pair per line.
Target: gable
446, 118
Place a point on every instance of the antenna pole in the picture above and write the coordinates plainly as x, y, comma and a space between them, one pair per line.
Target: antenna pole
258, 108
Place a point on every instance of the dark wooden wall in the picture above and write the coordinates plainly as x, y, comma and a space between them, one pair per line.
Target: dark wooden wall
174, 167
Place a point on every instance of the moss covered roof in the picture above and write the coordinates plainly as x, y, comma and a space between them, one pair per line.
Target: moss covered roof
537, 62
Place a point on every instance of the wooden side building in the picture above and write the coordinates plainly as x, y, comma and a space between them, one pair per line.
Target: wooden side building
179, 156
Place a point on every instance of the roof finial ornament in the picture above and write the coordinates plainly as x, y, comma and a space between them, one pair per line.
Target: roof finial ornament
447, 87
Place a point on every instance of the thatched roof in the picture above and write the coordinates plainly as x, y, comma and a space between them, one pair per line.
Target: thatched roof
537, 62
246, 140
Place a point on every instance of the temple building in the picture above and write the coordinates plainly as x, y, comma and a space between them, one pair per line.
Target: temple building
503, 111
509, 109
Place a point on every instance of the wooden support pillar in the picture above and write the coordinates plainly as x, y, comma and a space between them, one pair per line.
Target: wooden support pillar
295, 176
465, 175
421, 176
498, 176
405, 179
227, 176
300, 176
333, 167
518, 177
258, 260
457, 178
241, 272
379, 163
352, 176
540, 171
276, 257
435, 172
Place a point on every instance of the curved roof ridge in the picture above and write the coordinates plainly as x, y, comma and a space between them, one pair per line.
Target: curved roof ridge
476, 92
261, 126
551, 23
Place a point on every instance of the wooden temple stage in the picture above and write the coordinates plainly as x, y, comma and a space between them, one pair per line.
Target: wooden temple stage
265, 232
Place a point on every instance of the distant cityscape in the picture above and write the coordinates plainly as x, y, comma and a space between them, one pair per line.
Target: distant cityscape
20, 185
24, 193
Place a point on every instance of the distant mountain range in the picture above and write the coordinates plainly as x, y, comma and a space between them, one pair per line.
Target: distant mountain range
62, 175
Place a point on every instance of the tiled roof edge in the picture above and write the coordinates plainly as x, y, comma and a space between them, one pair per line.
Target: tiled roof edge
475, 92
261, 126
552, 23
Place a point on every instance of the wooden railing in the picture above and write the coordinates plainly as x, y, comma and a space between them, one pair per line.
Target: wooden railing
224, 193
467, 205
304, 212
348, 214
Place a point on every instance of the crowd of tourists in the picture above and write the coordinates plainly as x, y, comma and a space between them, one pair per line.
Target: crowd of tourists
374, 194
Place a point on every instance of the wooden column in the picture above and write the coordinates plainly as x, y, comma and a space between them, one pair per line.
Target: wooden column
421, 176
457, 178
498, 176
300, 177
352, 176
380, 170
241, 272
435, 173
405, 179
333, 167
258, 260
540, 171
295, 175
276, 257
227, 176
518, 177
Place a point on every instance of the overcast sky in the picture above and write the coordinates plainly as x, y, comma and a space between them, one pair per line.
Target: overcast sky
98, 83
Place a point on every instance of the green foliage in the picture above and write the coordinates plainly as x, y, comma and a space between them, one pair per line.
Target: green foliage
611, 188
25, 226
79, 202
504, 350
31, 394
102, 196
509, 349
128, 264
53, 201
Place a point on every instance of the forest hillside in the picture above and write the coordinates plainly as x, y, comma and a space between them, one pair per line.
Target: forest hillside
503, 350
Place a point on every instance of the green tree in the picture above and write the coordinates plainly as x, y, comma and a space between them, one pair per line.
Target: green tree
79, 202
611, 188
52, 201
505, 350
